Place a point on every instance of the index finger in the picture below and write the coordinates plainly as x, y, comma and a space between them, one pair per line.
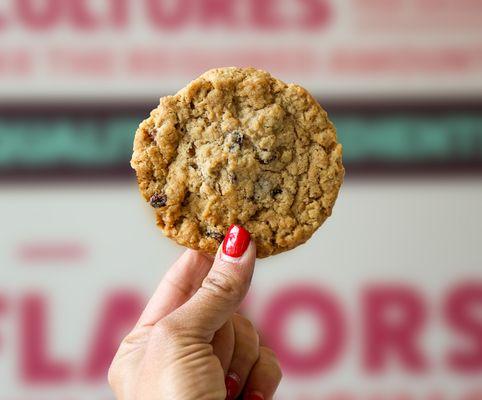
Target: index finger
177, 286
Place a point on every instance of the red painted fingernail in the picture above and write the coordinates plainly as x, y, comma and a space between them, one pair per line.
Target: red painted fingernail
232, 385
254, 396
236, 241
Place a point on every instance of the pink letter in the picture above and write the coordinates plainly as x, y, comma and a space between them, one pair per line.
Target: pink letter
120, 314
36, 364
264, 14
81, 16
397, 335
463, 313
317, 14
218, 11
321, 306
165, 19
36, 17
119, 13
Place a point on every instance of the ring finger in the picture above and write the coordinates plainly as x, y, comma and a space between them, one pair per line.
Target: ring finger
264, 378
245, 355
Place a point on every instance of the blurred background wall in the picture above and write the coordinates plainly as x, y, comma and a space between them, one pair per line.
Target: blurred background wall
384, 302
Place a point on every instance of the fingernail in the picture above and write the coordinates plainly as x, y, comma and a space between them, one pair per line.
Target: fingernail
254, 396
232, 385
236, 241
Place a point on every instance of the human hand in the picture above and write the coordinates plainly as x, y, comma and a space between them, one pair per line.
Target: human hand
189, 344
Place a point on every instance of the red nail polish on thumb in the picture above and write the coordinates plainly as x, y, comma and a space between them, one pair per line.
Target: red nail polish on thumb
236, 241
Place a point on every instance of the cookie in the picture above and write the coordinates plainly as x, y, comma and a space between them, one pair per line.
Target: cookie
237, 146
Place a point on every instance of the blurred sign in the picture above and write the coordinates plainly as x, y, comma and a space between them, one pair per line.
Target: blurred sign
383, 303
85, 49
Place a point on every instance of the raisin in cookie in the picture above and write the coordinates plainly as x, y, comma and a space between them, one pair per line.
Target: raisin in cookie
239, 146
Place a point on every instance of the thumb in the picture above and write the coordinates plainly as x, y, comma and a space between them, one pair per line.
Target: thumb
223, 289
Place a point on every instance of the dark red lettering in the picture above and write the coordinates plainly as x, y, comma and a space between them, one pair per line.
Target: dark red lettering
169, 19
463, 312
81, 16
328, 315
36, 365
393, 319
36, 17
264, 14
212, 11
121, 311
3, 309
119, 13
316, 14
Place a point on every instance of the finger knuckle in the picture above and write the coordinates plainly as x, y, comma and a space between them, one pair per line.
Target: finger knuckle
222, 286
164, 329
268, 353
248, 352
247, 348
244, 323
245, 329
268, 356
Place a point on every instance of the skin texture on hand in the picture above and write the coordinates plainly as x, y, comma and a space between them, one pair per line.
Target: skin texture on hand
189, 343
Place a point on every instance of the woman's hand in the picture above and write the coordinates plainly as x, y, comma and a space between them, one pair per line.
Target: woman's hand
189, 344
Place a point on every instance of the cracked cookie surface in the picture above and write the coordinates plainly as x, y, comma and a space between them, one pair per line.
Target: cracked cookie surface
239, 146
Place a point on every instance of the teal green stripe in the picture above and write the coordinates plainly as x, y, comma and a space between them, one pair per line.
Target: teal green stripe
41, 143
406, 138
98, 142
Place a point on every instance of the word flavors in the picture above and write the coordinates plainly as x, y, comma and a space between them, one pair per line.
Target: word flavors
392, 321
